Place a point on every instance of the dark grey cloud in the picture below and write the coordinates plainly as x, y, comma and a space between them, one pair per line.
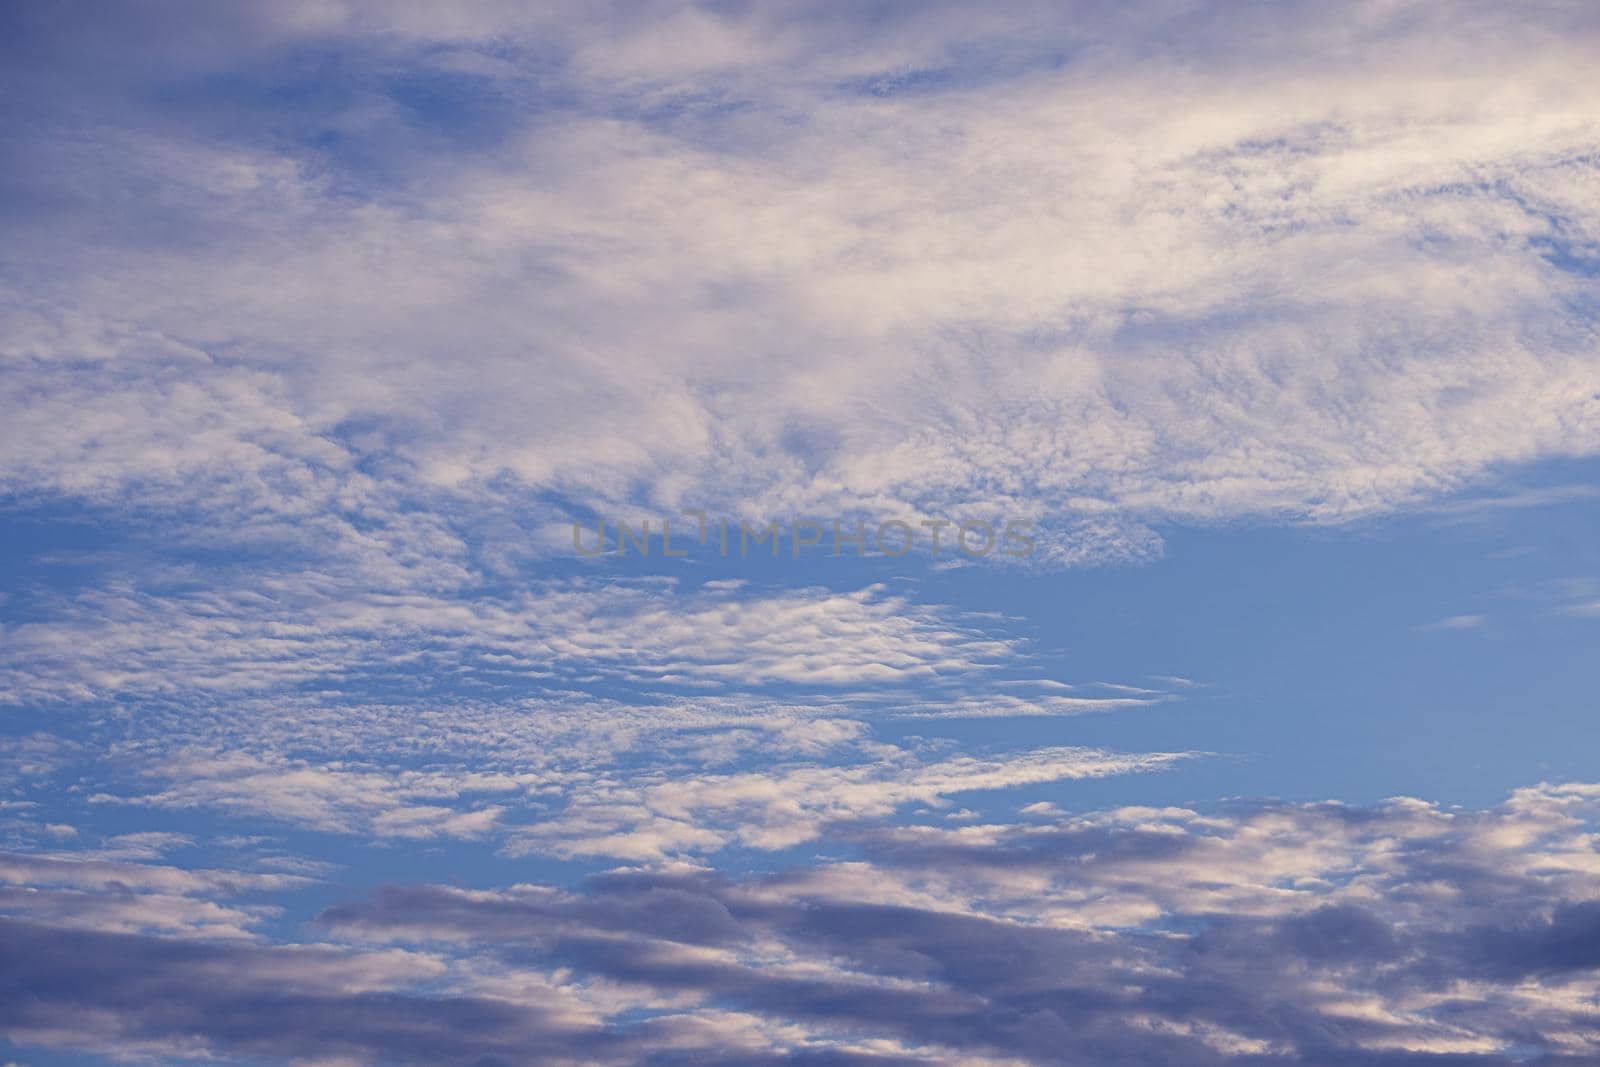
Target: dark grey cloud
1442, 940
1289, 934
170, 999
130, 992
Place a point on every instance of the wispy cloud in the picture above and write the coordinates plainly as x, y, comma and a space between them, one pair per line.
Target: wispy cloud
1456, 622
283, 631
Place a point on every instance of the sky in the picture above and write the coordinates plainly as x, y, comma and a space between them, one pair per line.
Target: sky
355, 358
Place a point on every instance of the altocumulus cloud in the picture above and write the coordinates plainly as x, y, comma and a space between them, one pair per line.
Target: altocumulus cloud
331, 317
1111, 267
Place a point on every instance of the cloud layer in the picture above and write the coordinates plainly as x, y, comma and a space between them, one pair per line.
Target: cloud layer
321, 322
1313, 934
1091, 268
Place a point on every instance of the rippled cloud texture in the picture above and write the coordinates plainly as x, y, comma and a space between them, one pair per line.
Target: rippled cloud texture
322, 324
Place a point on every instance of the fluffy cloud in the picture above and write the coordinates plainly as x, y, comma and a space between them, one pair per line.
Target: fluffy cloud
1304, 934
1082, 267
1403, 933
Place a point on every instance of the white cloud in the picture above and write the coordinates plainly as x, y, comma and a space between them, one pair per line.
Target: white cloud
276, 632
88, 889
1313, 291
639, 818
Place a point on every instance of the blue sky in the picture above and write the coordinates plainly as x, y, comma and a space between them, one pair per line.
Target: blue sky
1274, 327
